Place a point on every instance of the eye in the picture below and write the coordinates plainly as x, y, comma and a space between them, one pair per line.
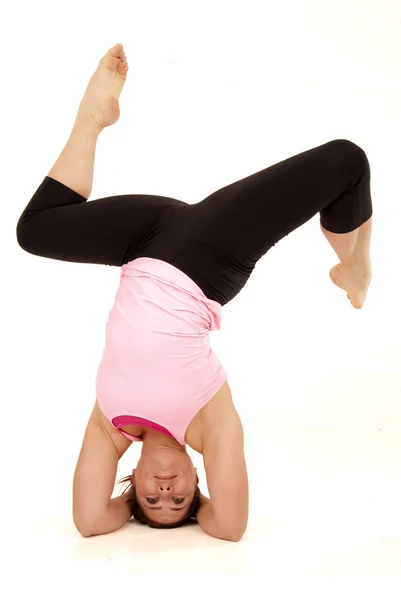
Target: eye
155, 500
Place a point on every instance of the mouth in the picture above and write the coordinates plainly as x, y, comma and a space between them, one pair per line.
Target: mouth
166, 478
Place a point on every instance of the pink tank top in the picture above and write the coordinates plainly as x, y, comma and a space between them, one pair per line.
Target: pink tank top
158, 369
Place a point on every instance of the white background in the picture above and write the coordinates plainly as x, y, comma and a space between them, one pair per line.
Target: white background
216, 91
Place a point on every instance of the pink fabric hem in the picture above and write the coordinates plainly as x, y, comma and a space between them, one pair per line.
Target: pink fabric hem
122, 420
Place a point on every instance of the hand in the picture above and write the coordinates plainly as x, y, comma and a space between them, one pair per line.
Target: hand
126, 496
204, 499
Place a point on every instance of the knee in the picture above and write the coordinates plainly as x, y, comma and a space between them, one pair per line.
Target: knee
354, 155
24, 234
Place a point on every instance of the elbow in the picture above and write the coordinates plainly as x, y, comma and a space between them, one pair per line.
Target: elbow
85, 533
237, 537
83, 527
236, 528
233, 534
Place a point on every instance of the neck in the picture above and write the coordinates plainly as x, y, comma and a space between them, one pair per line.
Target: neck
154, 439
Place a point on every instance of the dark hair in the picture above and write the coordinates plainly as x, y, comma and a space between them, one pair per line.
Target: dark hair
139, 515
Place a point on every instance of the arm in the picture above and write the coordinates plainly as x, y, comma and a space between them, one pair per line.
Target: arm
208, 523
225, 515
94, 513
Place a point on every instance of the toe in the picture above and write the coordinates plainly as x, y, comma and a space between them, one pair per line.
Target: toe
110, 62
117, 51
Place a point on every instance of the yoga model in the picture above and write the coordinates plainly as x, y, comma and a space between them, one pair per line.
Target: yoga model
159, 381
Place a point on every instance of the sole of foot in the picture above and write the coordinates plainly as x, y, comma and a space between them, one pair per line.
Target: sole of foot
100, 103
354, 281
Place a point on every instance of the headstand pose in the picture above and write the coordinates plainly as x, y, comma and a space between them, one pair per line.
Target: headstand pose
159, 381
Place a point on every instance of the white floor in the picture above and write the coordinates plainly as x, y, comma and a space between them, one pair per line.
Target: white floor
325, 512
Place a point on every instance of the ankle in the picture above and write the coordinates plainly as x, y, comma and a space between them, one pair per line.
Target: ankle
359, 265
85, 122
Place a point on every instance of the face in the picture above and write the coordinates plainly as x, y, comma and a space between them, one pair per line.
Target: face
165, 481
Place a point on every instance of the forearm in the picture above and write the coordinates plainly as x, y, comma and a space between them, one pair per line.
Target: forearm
208, 523
116, 514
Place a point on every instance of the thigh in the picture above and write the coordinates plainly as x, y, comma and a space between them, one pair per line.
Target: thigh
218, 241
248, 217
58, 223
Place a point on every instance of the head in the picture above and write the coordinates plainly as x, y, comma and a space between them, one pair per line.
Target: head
164, 485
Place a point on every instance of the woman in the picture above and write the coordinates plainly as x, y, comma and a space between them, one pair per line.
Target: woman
159, 381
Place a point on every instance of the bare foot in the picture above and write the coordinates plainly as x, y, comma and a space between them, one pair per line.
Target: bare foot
100, 102
355, 281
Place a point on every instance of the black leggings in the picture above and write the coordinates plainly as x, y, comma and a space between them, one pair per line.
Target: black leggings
217, 241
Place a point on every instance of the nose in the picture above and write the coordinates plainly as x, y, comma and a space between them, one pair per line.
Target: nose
165, 483
165, 486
